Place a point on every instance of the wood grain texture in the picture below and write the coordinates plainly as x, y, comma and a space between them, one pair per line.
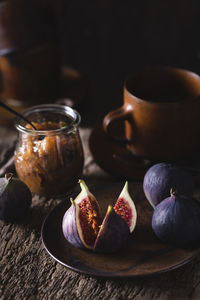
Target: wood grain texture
28, 272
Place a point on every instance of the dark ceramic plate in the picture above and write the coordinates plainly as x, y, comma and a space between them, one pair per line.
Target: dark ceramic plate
143, 255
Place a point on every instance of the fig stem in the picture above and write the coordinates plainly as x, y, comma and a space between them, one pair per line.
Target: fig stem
72, 201
9, 176
83, 185
125, 188
173, 192
109, 208
126, 185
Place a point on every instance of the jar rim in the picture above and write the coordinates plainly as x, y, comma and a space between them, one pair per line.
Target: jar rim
68, 111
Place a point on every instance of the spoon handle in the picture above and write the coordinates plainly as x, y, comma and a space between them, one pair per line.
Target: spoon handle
16, 113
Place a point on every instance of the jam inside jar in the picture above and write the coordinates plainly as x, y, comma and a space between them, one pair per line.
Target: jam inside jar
50, 159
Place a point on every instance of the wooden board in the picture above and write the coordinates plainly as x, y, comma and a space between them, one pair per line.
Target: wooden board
28, 272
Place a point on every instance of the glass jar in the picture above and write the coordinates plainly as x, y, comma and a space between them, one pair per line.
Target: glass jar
50, 159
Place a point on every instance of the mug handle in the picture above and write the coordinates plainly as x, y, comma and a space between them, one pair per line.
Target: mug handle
123, 113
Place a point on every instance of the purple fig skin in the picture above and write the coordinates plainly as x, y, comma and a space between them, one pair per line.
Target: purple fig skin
15, 199
69, 228
176, 221
114, 234
160, 178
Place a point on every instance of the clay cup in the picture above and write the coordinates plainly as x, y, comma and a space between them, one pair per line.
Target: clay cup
161, 112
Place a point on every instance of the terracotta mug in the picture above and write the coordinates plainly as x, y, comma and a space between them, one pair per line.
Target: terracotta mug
161, 112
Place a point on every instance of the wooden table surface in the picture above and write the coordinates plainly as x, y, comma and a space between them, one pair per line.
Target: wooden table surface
28, 272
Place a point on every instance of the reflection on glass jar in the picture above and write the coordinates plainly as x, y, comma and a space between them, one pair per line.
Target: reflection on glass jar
50, 159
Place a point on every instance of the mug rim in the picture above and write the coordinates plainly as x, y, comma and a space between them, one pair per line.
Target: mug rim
169, 68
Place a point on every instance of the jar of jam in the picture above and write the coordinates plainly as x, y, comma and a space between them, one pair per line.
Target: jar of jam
49, 159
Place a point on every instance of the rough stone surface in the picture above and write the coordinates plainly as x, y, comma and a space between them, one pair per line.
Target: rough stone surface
28, 272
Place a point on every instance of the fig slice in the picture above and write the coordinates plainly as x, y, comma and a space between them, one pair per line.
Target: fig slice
113, 233
82, 226
69, 227
125, 208
81, 222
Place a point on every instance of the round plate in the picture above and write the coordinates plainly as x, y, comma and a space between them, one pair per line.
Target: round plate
143, 255
114, 158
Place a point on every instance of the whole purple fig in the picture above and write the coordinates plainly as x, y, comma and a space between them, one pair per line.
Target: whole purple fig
176, 220
15, 199
160, 178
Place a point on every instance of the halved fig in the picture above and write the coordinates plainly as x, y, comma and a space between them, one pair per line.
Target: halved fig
69, 227
125, 208
113, 233
82, 222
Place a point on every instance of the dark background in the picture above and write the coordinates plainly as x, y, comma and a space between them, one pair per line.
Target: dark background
105, 40
108, 40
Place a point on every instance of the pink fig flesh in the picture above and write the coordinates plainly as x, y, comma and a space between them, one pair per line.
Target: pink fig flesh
85, 218
125, 208
89, 220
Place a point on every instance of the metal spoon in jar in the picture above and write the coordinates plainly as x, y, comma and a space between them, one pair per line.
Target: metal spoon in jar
16, 113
